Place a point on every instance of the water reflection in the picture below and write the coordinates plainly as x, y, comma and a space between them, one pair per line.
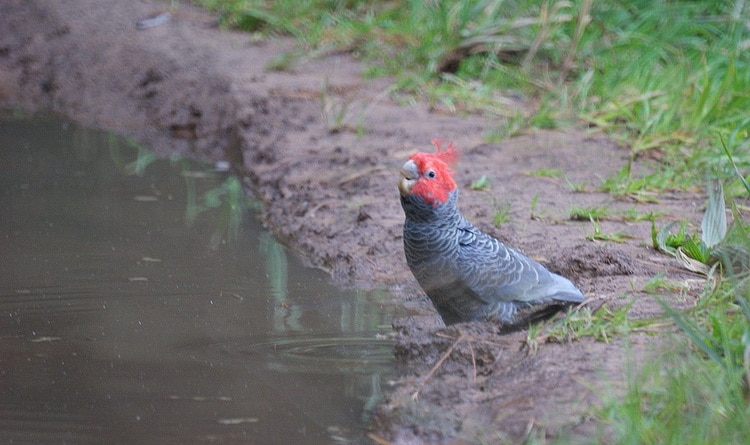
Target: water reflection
136, 304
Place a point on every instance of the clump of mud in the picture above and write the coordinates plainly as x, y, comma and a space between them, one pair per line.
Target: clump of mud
594, 261
464, 349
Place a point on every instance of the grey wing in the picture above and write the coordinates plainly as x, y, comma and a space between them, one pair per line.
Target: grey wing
500, 274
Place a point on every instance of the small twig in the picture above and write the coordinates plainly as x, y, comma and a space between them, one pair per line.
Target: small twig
589, 302
439, 363
473, 360
364, 172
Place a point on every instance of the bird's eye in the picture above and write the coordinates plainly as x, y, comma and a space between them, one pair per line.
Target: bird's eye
431, 174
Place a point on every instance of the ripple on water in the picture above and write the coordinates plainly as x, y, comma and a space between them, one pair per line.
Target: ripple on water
325, 355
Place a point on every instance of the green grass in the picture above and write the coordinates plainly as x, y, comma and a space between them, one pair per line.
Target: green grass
659, 284
546, 173
664, 76
697, 390
577, 213
599, 235
481, 184
603, 324
633, 215
501, 215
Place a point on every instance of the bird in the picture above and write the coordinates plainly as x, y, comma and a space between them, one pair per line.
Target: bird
468, 275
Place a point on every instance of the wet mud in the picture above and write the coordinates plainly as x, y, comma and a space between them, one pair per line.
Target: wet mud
321, 146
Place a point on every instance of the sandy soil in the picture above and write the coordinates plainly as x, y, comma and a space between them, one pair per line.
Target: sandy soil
328, 181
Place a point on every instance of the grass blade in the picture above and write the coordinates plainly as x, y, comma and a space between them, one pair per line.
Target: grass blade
731, 161
714, 224
660, 238
699, 338
742, 302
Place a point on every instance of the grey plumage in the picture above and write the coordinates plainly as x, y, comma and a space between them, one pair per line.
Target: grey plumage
469, 275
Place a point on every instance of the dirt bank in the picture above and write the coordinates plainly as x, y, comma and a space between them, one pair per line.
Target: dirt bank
326, 171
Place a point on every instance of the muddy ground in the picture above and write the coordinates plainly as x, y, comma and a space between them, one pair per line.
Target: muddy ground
326, 172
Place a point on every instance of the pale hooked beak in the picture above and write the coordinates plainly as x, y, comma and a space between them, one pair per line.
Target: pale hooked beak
409, 176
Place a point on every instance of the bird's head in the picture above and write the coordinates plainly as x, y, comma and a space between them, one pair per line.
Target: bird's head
429, 175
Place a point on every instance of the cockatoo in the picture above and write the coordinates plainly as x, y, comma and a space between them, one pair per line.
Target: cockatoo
467, 274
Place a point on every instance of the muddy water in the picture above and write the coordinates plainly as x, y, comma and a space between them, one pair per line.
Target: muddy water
139, 302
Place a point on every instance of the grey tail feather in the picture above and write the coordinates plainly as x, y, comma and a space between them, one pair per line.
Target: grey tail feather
568, 297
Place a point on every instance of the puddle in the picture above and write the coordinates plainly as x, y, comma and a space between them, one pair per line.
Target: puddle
140, 300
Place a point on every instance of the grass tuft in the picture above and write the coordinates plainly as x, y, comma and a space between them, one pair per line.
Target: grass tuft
587, 213
695, 391
663, 78
599, 235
